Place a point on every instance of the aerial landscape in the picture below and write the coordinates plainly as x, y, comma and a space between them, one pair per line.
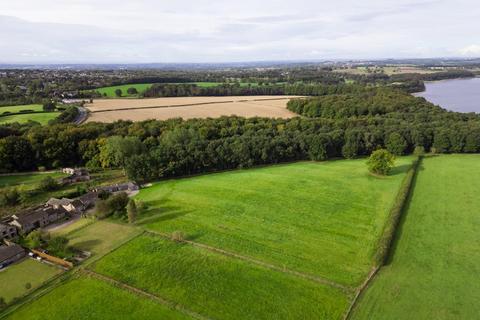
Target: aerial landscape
272, 160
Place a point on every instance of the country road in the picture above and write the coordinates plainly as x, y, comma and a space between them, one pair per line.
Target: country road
82, 115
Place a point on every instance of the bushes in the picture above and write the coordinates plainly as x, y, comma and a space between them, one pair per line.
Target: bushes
48, 184
114, 205
386, 240
381, 162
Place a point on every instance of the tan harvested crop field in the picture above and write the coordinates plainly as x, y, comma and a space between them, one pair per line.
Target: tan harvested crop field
109, 110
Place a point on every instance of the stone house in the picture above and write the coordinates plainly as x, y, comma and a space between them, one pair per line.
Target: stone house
7, 231
10, 253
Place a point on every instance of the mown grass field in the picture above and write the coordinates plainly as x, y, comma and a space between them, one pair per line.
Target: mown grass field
88, 298
319, 218
41, 118
436, 263
19, 108
13, 279
217, 286
101, 237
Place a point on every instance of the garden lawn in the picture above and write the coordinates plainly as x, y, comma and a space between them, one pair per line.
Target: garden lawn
41, 118
217, 286
101, 237
321, 218
14, 278
434, 273
88, 298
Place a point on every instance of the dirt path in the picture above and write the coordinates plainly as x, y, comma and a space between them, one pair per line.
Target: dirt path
140, 292
310, 277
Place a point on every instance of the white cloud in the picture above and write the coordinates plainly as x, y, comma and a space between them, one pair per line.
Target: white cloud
470, 51
199, 31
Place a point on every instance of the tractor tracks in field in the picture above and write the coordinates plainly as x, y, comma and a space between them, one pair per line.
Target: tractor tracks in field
264, 264
186, 104
143, 293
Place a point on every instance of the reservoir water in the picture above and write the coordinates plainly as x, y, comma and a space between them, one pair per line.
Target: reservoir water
462, 95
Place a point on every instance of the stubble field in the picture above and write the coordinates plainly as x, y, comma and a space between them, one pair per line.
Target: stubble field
108, 110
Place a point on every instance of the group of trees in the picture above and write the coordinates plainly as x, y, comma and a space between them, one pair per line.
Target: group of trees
346, 124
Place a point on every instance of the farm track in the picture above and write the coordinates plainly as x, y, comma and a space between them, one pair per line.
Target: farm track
141, 292
309, 277
187, 105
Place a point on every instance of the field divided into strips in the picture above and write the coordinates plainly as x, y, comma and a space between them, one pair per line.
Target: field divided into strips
108, 110
434, 270
303, 237
217, 286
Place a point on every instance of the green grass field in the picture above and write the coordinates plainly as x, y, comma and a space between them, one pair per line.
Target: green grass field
435, 267
93, 299
41, 118
321, 218
30, 181
101, 237
217, 286
109, 92
14, 278
18, 108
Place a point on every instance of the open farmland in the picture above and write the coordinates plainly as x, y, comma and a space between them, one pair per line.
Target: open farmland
434, 270
319, 218
217, 286
88, 298
105, 110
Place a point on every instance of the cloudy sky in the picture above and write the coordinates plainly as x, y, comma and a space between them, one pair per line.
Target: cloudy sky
109, 31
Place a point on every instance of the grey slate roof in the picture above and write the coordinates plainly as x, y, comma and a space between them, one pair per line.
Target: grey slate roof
7, 252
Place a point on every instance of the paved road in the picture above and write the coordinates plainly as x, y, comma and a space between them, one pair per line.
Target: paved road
82, 115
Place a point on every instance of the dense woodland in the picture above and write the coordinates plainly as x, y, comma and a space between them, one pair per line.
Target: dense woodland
348, 124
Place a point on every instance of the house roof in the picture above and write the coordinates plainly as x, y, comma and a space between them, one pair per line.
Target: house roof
77, 203
59, 202
30, 216
7, 252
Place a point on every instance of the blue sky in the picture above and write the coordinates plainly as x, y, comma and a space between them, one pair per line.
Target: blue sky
109, 31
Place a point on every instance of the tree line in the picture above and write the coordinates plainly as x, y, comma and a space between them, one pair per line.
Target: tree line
339, 125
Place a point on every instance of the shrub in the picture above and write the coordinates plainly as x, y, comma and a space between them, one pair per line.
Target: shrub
419, 150
28, 285
48, 184
381, 162
10, 197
